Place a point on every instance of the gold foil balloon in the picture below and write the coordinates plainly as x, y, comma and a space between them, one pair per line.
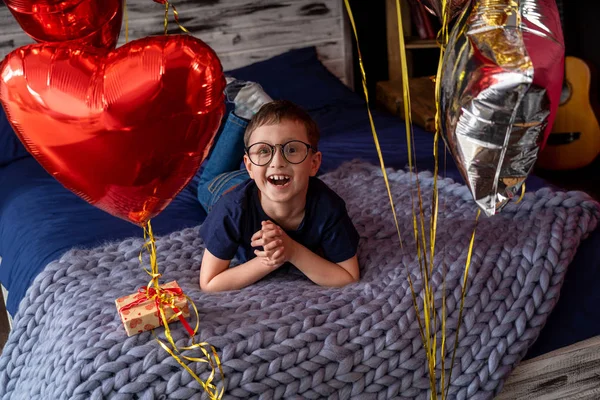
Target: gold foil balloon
500, 88
436, 7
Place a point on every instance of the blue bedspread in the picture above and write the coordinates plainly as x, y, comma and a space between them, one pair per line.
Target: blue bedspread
40, 220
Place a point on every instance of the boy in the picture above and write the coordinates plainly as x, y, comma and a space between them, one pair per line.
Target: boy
277, 211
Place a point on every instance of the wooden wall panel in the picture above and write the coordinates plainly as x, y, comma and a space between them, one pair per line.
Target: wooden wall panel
241, 31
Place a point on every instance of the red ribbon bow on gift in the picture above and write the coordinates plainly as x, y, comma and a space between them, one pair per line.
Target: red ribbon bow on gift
162, 297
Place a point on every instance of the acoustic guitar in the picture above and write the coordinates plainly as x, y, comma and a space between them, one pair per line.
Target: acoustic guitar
574, 141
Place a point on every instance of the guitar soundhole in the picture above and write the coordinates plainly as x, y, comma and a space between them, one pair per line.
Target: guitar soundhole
562, 138
566, 92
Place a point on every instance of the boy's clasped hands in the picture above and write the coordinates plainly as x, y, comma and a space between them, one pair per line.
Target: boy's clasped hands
277, 247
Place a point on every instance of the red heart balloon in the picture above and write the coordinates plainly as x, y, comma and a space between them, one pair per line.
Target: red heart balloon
125, 129
92, 22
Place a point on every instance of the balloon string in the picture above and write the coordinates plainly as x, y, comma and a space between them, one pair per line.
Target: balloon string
166, 23
165, 301
167, 4
462, 302
374, 132
126, 18
442, 39
380, 154
428, 325
522, 193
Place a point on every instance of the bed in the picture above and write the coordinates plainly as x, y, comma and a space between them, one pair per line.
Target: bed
300, 51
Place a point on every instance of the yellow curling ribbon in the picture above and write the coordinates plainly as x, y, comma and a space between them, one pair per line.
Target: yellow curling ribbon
425, 251
378, 147
375, 137
522, 194
126, 18
462, 302
167, 4
428, 332
442, 38
164, 298
379, 153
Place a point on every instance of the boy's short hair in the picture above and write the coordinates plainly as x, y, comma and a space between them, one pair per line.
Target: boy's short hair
279, 110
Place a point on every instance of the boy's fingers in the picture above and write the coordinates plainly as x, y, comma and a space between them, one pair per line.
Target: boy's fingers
272, 245
269, 253
257, 235
263, 241
264, 254
267, 261
278, 254
267, 228
271, 234
268, 225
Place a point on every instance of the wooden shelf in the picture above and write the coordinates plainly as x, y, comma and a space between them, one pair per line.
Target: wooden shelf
415, 43
422, 99
415, 46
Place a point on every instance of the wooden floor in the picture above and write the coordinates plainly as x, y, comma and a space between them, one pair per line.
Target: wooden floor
572, 372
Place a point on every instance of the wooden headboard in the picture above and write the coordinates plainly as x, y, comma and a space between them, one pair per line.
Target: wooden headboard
240, 31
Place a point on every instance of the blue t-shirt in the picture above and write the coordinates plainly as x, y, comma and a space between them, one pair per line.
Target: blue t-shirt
325, 230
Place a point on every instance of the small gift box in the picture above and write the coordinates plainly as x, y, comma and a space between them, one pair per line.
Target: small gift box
140, 311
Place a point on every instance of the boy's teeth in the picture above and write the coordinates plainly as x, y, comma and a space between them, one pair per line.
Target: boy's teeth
279, 180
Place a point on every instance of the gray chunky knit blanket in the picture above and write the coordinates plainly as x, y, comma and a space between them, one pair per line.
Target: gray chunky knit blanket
285, 336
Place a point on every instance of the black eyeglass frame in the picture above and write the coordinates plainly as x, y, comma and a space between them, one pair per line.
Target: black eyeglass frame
281, 146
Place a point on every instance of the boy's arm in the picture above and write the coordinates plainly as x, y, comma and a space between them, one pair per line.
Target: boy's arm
216, 276
323, 272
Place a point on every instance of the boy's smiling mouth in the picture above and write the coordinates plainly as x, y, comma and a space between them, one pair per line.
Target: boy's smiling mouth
279, 180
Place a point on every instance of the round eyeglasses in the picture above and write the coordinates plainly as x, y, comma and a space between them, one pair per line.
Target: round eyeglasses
294, 152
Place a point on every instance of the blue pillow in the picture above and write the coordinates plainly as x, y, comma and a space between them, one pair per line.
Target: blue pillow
298, 76
11, 147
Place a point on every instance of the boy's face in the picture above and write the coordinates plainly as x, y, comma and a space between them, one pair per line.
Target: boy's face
280, 181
